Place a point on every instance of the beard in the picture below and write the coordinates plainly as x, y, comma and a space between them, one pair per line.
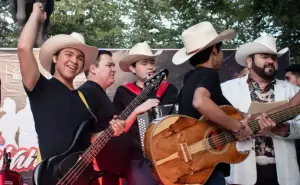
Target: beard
268, 72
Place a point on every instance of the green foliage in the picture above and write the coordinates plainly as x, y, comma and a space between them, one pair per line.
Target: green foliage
99, 21
8, 37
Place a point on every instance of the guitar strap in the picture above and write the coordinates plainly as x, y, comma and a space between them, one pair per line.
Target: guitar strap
87, 105
188, 75
39, 158
176, 101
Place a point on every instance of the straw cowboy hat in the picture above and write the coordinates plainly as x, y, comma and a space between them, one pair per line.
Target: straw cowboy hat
198, 38
140, 51
61, 41
263, 44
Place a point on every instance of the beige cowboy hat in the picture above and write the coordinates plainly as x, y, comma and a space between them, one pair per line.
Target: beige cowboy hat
264, 44
138, 52
198, 38
61, 41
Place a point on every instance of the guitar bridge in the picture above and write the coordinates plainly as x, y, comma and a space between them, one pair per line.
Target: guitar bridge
184, 152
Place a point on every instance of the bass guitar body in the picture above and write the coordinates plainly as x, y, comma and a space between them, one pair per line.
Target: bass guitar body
184, 150
51, 171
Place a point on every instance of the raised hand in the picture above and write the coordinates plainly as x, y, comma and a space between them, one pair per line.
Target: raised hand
38, 10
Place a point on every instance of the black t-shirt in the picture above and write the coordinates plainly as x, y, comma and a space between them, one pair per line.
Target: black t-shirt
124, 97
58, 113
207, 78
115, 155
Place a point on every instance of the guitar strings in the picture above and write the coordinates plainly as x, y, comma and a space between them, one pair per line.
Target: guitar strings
227, 136
92, 151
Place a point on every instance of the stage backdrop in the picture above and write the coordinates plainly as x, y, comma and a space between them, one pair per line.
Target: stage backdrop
17, 132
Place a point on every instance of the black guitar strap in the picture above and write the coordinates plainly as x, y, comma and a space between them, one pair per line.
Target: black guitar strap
187, 76
176, 101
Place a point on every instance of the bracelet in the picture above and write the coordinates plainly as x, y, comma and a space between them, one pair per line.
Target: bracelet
288, 133
238, 132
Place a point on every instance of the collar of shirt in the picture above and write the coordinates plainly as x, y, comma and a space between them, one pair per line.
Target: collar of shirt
270, 85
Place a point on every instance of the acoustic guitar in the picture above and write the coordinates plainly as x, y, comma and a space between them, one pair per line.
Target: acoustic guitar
184, 150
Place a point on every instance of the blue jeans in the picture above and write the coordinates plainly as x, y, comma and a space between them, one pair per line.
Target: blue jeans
139, 173
216, 178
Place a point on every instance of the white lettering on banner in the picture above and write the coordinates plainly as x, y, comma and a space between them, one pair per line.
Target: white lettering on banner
23, 159
17, 74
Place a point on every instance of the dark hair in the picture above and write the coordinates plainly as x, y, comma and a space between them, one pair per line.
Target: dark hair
97, 61
294, 69
134, 64
52, 69
204, 55
252, 56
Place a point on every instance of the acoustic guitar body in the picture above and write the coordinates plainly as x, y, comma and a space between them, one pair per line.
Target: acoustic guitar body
184, 150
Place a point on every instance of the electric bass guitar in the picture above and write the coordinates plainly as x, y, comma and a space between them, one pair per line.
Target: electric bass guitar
74, 167
185, 150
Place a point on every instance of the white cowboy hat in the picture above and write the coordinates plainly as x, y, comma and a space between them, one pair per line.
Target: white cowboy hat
61, 41
264, 44
198, 38
138, 52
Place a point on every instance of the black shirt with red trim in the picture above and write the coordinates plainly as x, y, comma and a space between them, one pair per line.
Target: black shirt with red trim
123, 97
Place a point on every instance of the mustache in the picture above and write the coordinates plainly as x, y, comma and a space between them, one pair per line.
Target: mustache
269, 65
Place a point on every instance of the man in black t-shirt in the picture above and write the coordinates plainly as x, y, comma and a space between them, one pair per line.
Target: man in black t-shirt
201, 93
141, 62
57, 108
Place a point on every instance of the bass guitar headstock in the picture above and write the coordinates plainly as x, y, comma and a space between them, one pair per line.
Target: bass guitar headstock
154, 81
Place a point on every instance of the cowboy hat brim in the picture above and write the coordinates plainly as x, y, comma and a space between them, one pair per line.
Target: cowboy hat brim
252, 48
181, 55
128, 60
58, 42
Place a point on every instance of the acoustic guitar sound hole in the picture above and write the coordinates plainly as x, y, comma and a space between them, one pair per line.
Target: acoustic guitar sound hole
216, 139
